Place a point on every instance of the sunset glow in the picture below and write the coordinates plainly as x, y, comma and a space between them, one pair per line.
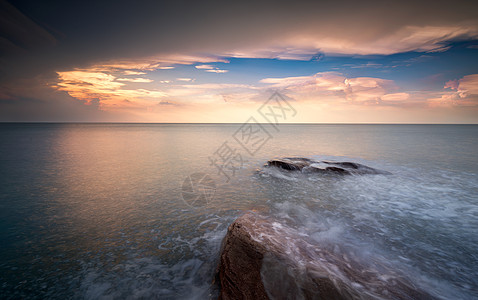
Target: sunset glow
411, 70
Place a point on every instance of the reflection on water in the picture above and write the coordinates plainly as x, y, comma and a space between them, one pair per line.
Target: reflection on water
91, 210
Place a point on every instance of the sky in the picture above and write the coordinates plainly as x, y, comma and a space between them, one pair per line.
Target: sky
219, 61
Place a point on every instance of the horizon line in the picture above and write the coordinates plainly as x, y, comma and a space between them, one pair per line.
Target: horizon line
220, 123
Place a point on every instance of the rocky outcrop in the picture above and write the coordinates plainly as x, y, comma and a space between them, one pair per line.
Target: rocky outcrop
262, 258
306, 165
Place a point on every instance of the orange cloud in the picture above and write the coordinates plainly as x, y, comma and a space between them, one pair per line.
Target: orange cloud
217, 71
129, 72
143, 80
98, 86
324, 94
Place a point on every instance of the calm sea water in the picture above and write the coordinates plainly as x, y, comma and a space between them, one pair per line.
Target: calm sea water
96, 210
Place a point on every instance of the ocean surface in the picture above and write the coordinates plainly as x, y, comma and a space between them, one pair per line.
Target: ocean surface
107, 211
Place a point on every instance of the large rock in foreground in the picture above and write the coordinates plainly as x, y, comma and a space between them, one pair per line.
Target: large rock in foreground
307, 165
264, 259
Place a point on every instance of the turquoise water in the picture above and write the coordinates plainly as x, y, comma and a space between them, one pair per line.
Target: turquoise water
97, 211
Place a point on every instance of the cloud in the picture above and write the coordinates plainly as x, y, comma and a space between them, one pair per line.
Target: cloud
462, 92
145, 80
104, 49
395, 97
305, 45
204, 67
105, 89
157, 62
185, 79
333, 86
31, 100
367, 65
467, 86
280, 30
112, 93
217, 71
85, 79
211, 69
284, 52
130, 72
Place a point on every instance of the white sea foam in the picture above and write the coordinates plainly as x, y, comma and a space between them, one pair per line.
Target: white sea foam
416, 221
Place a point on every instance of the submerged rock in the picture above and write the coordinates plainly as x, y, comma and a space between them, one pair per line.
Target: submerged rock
264, 259
312, 166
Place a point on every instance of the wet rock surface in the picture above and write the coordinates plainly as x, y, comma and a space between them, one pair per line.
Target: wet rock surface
262, 258
307, 165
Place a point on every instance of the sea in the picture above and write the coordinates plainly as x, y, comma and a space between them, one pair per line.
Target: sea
139, 211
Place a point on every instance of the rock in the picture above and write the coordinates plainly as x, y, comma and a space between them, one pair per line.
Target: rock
310, 166
241, 262
335, 169
262, 258
291, 164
